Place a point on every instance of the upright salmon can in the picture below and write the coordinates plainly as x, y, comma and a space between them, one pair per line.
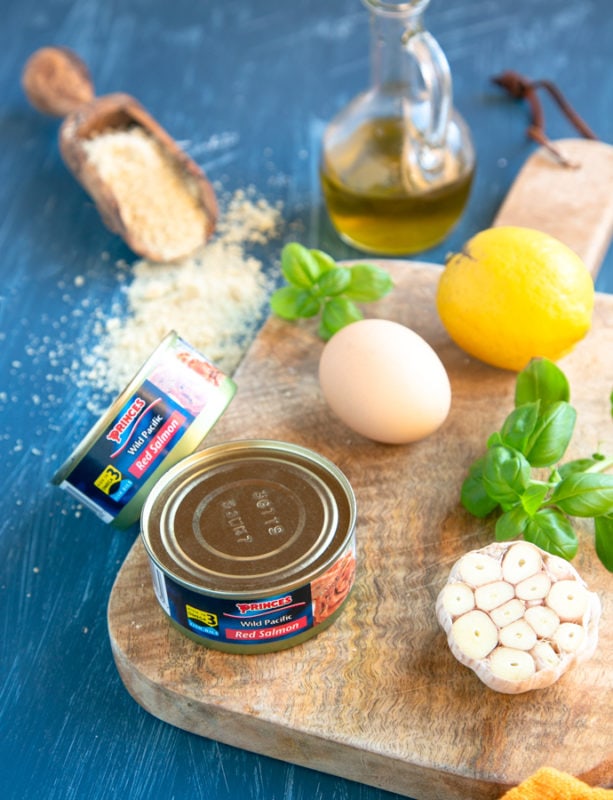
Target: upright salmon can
160, 417
251, 544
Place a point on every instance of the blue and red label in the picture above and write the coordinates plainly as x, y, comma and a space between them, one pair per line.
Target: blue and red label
220, 620
149, 423
251, 622
138, 439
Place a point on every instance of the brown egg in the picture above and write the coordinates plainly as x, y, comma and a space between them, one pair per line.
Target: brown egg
384, 381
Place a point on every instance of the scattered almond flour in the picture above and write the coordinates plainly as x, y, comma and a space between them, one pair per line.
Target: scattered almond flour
214, 300
170, 222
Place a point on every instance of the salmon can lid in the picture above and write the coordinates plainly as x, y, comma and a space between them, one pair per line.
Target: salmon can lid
249, 518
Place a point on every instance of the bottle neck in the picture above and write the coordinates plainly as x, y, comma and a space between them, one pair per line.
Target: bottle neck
390, 25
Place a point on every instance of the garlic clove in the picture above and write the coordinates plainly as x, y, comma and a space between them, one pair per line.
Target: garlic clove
569, 637
568, 599
508, 613
518, 635
543, 620
458, 598
536, 587
510, 664
559, 568
474, 634
545, 657
492, 595
521, 561
477, 568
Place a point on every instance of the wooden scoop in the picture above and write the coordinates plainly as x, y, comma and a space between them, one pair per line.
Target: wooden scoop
57, 82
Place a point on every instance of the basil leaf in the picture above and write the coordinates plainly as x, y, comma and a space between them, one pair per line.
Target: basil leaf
584, 494
292, 303
511, 524
541, 380
532, 499
333, 282
368, 283
552, 434
337, 313
495, 438
314, 278
578, 465
520, 425
506, 474
603, 530
299, 266
551, 531
473, 495
323, 260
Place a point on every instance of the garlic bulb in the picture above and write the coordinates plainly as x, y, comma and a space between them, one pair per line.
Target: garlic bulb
518, 616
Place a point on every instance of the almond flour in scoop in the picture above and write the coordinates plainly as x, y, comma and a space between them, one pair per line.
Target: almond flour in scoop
172, 220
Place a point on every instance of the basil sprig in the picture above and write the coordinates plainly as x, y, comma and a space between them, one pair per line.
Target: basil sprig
534, 436
318, 285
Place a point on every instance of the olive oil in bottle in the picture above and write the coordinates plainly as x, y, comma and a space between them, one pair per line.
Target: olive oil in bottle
372, 201
397, 162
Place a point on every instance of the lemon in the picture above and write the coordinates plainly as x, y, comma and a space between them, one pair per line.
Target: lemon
513, 294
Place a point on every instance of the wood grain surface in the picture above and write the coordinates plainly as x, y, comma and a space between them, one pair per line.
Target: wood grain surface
574, 204
379, 698
246, 87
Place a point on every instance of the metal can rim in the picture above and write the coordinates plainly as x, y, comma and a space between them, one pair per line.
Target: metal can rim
234, 447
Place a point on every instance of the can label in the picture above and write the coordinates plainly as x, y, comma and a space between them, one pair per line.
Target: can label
257, 621
148, 425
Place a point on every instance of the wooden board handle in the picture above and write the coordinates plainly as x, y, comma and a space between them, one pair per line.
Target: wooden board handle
574, 204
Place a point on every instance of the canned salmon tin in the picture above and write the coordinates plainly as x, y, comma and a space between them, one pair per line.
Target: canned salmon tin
251, 544
161, 417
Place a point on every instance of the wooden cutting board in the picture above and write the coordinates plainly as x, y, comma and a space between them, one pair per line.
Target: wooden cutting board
378, 698
575, 205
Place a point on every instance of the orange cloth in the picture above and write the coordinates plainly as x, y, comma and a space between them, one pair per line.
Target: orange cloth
550, 784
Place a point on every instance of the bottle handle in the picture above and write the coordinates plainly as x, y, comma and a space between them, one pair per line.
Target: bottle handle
436, 76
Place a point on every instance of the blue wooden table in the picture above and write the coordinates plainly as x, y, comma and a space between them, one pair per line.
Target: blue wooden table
260, 79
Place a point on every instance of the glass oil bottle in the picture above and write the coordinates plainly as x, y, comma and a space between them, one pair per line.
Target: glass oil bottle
397, 163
